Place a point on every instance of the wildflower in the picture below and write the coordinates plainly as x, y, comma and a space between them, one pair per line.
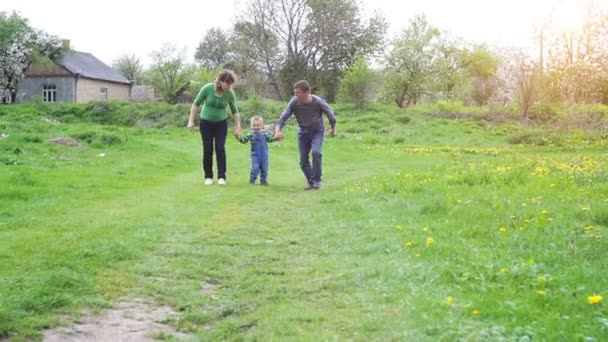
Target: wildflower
541, 292
595, 299
476, 312
588, 228
504, 270
429, 241
449, 300
502, 229
541, 279
398, 227
585, 207
426, 229
409, 244
544, 212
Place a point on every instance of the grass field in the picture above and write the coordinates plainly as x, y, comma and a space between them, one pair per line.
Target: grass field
425, 229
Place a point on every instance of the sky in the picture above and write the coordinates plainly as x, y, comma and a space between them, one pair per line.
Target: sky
111, 28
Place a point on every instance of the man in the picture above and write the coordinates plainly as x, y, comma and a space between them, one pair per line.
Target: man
308, 110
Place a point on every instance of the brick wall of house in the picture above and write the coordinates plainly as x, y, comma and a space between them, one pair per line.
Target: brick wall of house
90, 90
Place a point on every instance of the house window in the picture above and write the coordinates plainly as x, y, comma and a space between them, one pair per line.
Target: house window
103, 94
49, 93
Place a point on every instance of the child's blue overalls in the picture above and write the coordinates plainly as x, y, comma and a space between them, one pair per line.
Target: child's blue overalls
259, 158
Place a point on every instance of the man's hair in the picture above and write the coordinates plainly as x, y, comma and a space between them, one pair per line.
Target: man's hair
256, 118
303, 85
227, 76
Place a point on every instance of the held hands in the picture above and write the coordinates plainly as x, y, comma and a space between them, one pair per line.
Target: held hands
278, 135
332, 132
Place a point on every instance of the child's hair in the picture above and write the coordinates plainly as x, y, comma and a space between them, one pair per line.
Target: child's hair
256, 118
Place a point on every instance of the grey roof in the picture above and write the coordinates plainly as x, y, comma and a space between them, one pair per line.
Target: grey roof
87, 65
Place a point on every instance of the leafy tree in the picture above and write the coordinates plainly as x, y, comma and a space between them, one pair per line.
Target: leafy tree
357, 84
130, 67
20, 46
410, 66
481, 67
169, 74
215, 50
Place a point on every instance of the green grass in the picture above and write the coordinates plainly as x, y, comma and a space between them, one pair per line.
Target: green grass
518, 232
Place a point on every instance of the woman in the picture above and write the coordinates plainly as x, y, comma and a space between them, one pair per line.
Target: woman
215, 96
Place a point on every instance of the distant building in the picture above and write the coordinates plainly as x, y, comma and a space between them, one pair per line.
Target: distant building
78, 77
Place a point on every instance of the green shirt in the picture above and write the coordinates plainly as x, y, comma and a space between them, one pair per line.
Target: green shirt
215, 106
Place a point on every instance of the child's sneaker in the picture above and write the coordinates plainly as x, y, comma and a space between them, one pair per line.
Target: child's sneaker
208, 181
221, 181
264, 183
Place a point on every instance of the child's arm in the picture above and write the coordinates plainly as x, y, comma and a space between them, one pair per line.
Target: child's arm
270, 137
243, 139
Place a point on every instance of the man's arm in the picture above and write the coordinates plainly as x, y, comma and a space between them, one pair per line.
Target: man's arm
285, 115
325, 108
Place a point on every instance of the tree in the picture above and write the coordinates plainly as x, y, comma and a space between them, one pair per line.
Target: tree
357, 84
215, 50
410, 66
312, 39
481, 67
169, 74
333, 36
450, 75
254, 41
20, 46
130, 67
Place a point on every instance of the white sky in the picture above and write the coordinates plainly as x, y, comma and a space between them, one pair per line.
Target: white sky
110, 28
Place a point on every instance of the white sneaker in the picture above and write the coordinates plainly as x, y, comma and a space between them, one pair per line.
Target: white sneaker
208, 181
221, 181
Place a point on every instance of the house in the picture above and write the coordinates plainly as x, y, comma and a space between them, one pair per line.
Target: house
78, 77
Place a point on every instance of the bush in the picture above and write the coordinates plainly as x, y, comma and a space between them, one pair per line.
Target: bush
537, 138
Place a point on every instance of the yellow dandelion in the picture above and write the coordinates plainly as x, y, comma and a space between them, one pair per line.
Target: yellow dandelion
588, 228
426, 229
541, 292
585, 207
398, 227
409, 244
502, 229
449, 300
595, 299
541, 279
552, 186
504, 270
429, 241
544, 212
476, 312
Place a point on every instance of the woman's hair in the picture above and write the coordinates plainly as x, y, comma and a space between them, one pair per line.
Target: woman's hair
302, 85
227, 76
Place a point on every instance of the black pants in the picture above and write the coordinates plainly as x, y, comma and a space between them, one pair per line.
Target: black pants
214, 136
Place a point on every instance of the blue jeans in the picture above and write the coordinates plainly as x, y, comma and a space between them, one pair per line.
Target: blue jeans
307, 142
259, 166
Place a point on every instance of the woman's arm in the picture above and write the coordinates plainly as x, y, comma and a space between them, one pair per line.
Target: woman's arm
194, 110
